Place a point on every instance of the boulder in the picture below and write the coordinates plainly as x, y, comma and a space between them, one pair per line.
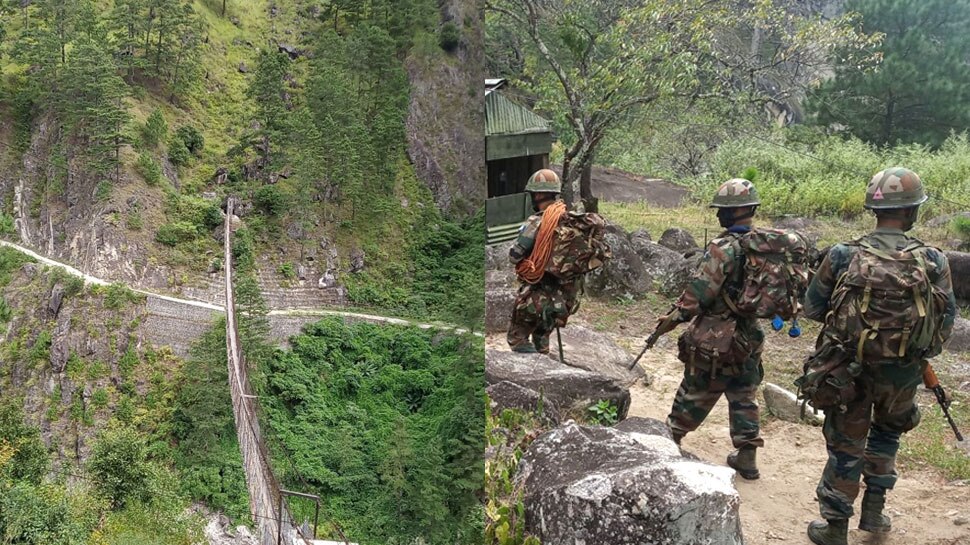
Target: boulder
641, 235
960, 272
785, 405
243, 69
571, 389
644, 426
669, 271
508, 395
623, 275
497, 256
960, 339
678, 240
595, 352
586, 485
498, 309
56, 298
944, 220
357, 260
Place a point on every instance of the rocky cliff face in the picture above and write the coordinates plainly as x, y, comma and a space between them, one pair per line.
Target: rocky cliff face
445, 125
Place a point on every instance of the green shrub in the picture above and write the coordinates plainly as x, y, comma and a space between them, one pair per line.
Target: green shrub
149, 168
117, 295
286, 271
449, 36
191, 138
6, 225
270, 199
961, 225
100, 398
30, 461
178, 154
133, 220
155, 129
103, 191
6, 313
171, 234
119, 466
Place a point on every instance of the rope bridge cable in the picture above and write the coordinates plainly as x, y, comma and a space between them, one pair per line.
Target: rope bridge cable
264, 486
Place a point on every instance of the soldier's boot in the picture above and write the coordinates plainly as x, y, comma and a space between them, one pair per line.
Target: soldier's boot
872, 519
541, 343
524, 349
830, 532
744, 461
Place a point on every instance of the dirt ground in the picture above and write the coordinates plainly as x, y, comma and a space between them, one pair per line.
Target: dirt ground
925, 508
615, 185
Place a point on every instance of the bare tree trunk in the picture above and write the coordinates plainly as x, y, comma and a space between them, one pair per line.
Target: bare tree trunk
223, 8
590, 203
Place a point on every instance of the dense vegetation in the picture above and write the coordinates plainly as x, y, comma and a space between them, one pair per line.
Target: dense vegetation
387, 425
919, 91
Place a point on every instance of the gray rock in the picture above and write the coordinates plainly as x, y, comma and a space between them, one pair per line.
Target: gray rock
596, 485
243, 69
960, 271
959, 341
508, 395
668, 271
498, 309
644, 426
571, 389
597, 353
640, 235
295, 231
56, 298
328, 280
678, 240
59, 351
292, 52
301, 272
785, 406
623, 276
944, 220
357, 260
497, 256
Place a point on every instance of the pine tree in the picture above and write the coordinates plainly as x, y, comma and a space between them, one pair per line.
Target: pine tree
268, 93
920, 90
128, 20
96, 111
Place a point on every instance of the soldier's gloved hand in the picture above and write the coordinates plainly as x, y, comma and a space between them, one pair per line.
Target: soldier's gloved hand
667, 322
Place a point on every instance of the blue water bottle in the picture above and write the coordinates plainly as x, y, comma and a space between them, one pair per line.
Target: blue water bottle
795, 330
777, 323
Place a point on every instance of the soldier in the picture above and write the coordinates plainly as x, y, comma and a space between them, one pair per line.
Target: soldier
720, 272
887, 362
542, 306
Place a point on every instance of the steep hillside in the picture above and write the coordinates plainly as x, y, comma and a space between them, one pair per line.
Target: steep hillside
343, 128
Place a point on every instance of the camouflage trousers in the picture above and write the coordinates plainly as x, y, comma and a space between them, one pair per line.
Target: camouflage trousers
538, 309
701, 389
863, 440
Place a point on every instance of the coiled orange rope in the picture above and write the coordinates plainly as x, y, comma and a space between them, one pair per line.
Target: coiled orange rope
532, 268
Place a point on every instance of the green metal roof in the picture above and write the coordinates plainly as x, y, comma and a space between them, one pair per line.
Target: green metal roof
504, 117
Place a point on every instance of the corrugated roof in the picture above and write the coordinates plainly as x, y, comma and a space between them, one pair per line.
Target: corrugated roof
502, 116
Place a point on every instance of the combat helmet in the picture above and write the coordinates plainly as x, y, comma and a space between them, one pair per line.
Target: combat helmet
735, 193
544, 181
893, 188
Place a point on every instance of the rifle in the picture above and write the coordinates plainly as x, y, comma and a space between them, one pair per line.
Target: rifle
663, 326
933, 383
559, 340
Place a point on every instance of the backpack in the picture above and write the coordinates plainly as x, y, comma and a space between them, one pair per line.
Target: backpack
774, 275
828, 377
884, 305
579, 246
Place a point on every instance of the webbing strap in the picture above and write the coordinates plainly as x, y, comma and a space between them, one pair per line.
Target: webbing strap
866, 297
904, 341
876, 251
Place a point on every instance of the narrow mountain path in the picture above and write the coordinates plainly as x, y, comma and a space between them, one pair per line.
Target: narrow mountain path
296, 313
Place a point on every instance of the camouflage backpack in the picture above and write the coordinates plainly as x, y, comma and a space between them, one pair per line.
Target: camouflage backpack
775, 274
579, 246
884, 305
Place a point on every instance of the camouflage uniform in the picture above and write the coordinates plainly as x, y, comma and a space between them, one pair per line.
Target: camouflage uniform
863, 440
538, 307
720, 270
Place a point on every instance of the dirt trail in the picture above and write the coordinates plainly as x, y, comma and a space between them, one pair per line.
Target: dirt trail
777, 507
